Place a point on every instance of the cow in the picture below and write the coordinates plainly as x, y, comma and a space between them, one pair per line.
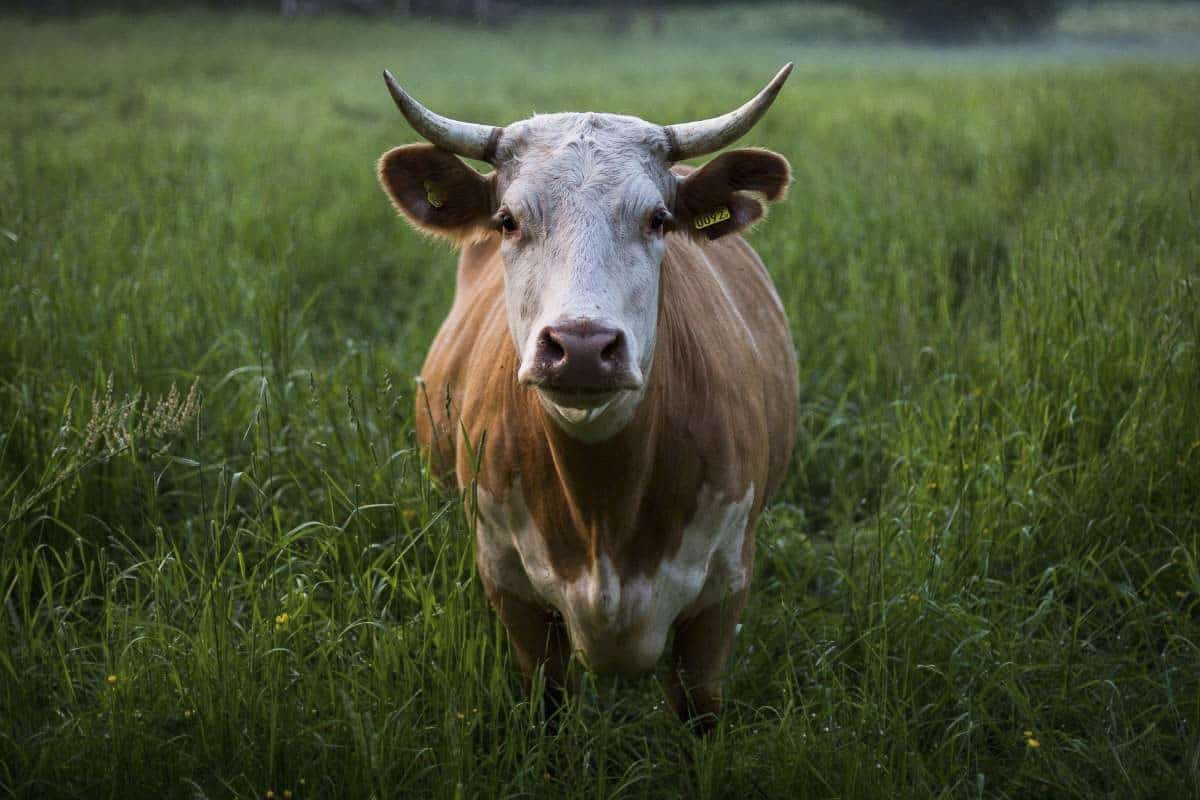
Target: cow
615, 385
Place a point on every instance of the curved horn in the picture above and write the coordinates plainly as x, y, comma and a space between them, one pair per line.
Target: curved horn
461, 138
691, 139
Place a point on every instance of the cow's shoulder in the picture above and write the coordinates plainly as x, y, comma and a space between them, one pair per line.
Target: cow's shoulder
732, 376
450, 377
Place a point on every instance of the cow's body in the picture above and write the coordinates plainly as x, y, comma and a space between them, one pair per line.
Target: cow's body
628, 536
615, 383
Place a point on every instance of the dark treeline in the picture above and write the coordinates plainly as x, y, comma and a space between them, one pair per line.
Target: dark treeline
956, 19
936, 20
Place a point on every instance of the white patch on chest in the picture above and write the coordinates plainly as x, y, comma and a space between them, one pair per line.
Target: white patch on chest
618, 624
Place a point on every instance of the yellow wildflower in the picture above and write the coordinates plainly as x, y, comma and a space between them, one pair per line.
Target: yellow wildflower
112, 680
281, 621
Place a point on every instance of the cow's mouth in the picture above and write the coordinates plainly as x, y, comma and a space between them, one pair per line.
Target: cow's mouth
584, 399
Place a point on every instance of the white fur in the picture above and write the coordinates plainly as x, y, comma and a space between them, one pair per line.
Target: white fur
582, 188
591, 425
616, 624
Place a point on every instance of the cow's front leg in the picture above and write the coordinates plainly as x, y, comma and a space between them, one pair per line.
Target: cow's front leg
539, 639
698, 658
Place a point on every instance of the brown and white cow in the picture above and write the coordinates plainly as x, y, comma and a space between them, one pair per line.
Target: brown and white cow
616, 375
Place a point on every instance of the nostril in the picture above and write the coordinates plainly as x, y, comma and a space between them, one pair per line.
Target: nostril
549, 348
612, 350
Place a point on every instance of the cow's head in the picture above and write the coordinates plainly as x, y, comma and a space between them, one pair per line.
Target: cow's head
582, 204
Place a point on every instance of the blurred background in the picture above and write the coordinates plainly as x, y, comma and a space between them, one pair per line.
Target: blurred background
923, 20
223, 572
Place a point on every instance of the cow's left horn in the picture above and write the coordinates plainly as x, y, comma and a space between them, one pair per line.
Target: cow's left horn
461, 138
691, 139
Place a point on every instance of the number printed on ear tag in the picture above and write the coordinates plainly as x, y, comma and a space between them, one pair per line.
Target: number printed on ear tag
432, 196
708, 220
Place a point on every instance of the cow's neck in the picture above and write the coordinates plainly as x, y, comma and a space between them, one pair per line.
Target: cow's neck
630, 493
627, 496
603, 480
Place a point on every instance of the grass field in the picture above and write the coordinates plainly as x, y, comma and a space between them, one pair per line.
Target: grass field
982, 578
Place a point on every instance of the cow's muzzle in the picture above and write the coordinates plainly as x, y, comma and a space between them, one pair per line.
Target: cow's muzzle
581, 360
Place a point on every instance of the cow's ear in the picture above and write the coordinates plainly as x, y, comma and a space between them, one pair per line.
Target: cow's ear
437, 192
726, 195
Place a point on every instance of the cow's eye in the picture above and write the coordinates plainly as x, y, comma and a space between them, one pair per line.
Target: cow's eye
658, 220
508, 222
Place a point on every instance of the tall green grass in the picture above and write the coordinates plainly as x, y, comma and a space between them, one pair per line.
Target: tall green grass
982, 578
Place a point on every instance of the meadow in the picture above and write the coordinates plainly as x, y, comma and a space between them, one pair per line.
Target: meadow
223, 574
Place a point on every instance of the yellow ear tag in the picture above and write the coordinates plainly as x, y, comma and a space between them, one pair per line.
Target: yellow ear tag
432, 196
708, 220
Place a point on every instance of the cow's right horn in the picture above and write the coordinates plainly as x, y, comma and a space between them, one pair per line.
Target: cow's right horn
691, 139
461, 138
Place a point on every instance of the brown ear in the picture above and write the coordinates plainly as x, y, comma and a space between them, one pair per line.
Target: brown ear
725, 195
437, 192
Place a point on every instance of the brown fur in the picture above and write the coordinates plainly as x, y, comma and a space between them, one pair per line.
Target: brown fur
719, 411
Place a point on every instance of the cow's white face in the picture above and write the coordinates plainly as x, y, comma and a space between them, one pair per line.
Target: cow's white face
582, 205
583, 208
